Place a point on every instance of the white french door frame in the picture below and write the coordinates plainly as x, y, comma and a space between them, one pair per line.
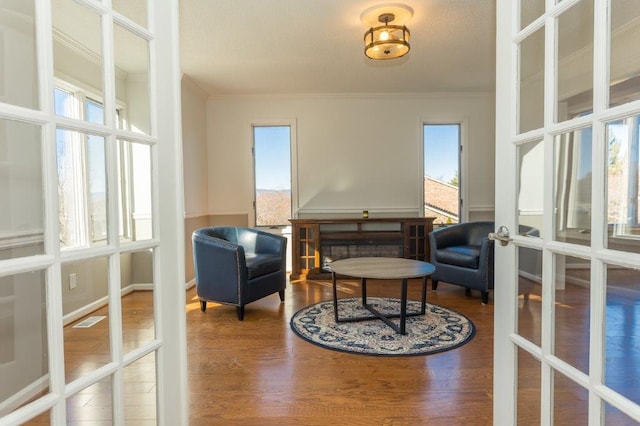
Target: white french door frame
506, 340
169, 345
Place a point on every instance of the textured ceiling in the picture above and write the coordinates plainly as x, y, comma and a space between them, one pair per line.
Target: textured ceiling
315, 46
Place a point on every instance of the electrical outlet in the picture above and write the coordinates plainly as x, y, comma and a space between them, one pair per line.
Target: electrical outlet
73, 281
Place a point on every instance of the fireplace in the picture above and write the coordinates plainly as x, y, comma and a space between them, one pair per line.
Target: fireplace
336, 250
315, 243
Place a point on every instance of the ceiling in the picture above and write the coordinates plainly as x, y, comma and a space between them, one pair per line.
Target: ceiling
231, 47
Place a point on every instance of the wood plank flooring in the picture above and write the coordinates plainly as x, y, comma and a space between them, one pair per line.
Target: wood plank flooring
257, 372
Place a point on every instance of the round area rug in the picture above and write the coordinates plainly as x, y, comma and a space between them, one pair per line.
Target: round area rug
441, 329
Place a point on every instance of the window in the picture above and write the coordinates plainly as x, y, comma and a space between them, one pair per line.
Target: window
623, 181
82, 180
442, 172
272, 163
572, 162
82, 186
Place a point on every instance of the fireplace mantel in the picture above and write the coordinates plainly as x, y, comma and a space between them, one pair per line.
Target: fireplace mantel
317, 242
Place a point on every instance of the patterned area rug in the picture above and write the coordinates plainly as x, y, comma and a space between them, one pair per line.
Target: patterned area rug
441, 329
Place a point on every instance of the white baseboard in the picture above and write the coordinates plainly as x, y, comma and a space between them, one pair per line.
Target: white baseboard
103, 301
532, 277
24, 395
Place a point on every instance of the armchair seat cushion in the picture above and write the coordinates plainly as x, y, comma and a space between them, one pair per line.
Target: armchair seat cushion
466, 256
262, 264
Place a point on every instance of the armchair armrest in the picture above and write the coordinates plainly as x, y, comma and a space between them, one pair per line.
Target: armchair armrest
218, 260
486, 250
267, 243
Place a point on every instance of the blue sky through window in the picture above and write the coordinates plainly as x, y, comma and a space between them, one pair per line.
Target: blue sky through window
272, 157
441, 142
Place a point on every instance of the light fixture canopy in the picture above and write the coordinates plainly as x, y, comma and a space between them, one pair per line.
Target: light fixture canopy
387, 41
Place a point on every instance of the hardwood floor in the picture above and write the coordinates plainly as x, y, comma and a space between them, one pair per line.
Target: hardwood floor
258, 372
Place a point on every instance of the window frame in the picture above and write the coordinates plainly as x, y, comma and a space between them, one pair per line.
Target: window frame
462, 123
83, 228
292, 164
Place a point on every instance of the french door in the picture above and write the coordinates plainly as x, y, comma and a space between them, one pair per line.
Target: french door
89, 116
567, 291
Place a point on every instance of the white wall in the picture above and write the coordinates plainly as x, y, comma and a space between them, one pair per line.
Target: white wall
194, 151
355, 152
195, 167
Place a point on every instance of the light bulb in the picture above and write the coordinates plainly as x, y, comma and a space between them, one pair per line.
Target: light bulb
384, 36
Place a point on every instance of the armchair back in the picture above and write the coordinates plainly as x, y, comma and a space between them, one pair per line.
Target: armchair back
236, 265
463, 255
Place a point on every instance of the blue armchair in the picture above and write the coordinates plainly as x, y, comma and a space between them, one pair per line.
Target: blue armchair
237, 266
463, 255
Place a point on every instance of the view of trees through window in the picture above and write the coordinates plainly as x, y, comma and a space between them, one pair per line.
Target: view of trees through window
272, 162
442, 172
623, 175
82, 188
82, 179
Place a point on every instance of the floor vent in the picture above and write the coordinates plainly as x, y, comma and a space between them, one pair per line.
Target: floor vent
89, 322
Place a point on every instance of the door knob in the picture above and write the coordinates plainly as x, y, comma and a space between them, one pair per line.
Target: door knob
502, 235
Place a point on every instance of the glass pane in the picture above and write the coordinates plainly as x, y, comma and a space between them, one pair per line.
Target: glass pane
528, 397
134, 191
77, 56
622, 335
43, 419
572, 290
530, 10
82, 189
132, 83
530, 182
23, 336
531, 93
22, 212
530, 294
624, 69
575, 61
571, 402
136, 278
92, 405
572, 201
65, 103
272, 158
615, 417
140, 391
94, 111
136, 10
97, 183
18, 60
623, 180
85, 286
441, 172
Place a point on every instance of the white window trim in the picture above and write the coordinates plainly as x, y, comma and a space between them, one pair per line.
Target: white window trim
83, 226
463, 122
291, 123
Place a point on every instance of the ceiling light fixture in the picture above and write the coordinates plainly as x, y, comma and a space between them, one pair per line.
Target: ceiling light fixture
386, 41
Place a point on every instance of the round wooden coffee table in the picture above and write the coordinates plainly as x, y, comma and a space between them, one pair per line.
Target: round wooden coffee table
382, 268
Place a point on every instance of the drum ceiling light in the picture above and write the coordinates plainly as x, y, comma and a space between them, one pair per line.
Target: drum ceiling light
387, 41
